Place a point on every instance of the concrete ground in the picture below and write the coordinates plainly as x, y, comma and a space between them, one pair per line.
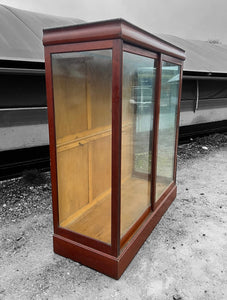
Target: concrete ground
185, 257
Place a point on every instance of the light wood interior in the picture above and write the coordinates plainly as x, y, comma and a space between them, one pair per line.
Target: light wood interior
94, 221
83, 101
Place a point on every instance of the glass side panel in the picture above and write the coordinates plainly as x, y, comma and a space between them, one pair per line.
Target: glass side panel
137, 124
82, 84
167, 126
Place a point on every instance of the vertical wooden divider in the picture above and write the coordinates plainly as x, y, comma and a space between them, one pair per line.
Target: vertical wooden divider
52, 136
177, 124
90, 183
88, 95
155, 129
116, 144
89, 126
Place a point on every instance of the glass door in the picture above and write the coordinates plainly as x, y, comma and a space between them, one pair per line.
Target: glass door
138, 95
82, 86
170, 75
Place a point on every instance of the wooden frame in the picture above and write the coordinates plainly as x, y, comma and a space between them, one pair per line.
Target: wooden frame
117, 35
176, 61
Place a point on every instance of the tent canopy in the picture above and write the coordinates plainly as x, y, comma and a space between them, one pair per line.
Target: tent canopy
201, 56
21, 33
21, 40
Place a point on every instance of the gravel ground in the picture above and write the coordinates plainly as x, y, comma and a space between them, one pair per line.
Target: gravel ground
184, 257
200, 146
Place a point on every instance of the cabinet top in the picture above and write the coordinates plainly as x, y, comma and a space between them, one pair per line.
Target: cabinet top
109, 30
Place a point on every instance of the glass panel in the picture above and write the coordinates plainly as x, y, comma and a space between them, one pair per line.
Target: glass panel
167, 126
82, 83
137, 125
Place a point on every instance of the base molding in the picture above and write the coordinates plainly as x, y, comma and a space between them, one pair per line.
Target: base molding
105, 263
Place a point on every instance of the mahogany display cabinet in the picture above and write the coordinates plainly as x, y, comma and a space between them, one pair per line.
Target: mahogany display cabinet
113, 93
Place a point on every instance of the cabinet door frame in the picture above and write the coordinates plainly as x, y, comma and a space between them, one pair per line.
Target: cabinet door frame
178, 62
148, 54
79, 47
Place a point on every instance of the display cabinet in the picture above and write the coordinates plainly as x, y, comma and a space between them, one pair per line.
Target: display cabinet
113, 94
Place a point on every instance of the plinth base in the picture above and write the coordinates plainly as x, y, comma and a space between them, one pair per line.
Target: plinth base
105, 263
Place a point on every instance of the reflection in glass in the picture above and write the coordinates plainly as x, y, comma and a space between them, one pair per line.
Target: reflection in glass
137, 126
82, 84
167, 126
